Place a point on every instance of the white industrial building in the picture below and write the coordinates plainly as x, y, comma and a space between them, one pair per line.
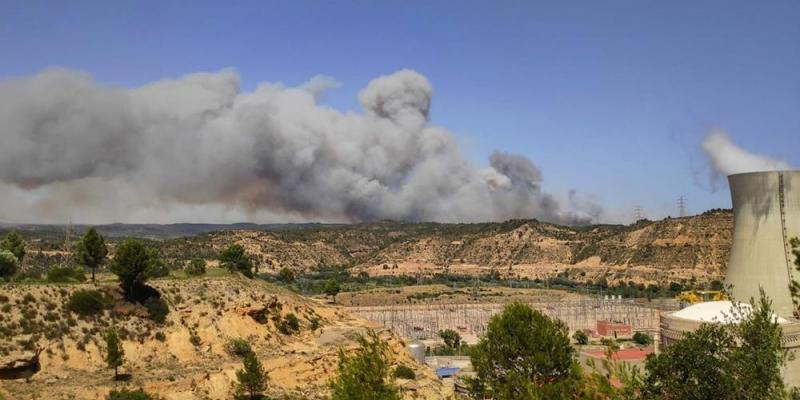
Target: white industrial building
766, 215
674, 325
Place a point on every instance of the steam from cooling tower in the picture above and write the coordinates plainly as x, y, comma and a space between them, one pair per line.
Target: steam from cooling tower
198, 148
727, 158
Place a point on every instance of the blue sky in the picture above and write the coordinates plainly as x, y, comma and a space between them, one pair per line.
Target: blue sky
610, 98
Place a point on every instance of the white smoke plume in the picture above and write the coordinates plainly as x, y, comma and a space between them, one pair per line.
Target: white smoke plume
727, 158
199, 149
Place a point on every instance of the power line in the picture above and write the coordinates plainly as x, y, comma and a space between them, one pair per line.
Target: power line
638, 213
682, 206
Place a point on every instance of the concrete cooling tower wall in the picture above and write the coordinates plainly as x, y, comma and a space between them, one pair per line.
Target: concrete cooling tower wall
766, 214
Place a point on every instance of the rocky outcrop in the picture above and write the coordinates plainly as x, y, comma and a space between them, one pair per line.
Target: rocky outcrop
19, 365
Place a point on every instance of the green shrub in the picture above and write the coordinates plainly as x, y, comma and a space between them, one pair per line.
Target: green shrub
65, 275
315, 323
286, 275
286, 325
443, 351
283, 328
8, 263
196, 267
292, 322
126, 394
158, 269
235, 259
160, 336
404, 372
14, 244
581, 337
610, 343
195, 340
239, 347
642, 339
157, 308
451, 338
87, 302
29, 275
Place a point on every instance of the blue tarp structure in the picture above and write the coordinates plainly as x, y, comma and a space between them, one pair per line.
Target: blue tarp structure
446, 372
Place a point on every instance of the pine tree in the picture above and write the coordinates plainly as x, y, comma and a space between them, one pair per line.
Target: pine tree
235, 259
14, 243
364, 373
451, 338
115, 355
252, 378
92, 251
133, 263
581, 337
332, 288
8, 263
525, 355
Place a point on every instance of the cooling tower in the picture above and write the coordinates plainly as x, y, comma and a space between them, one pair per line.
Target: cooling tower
766, 215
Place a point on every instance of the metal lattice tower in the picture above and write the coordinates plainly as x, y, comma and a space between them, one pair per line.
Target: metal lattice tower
682, 206
68, 235
638, 213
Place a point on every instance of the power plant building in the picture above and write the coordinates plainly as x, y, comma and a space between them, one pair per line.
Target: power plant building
675, 325
766, 216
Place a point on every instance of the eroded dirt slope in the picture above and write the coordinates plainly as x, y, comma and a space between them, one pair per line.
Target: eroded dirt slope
648, 252
187, 357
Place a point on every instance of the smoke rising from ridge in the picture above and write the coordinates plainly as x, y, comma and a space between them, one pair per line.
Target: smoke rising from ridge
727, 158
199, 149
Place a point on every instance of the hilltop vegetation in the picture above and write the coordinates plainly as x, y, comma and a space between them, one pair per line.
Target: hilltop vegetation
680, 250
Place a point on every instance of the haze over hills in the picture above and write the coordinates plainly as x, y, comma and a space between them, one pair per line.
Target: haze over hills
155, 231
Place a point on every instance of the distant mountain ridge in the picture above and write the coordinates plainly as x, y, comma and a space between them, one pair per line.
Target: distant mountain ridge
158, 231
